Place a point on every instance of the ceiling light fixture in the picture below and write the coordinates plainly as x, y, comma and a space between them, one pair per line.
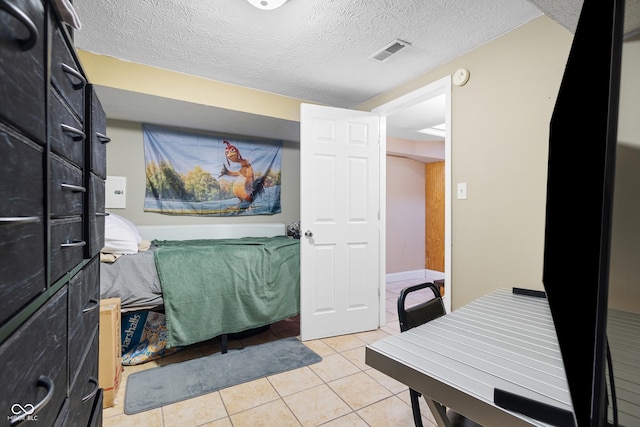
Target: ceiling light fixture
267, 4
436, 130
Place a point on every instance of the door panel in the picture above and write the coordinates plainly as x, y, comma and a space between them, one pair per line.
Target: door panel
340, 202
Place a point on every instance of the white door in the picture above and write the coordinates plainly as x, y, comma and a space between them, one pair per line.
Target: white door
339, 220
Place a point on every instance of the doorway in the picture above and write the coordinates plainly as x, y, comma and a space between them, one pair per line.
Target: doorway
433, 106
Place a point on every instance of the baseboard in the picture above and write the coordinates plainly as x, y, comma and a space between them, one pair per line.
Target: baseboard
405, 275
412, 274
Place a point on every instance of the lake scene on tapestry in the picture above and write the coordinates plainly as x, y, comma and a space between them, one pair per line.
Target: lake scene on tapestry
202, 174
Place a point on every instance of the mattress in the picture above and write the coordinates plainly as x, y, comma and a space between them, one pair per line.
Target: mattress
134, 279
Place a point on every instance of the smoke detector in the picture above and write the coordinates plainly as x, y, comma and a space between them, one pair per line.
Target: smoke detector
392, 48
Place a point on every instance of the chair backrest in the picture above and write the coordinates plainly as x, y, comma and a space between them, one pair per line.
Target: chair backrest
421, 313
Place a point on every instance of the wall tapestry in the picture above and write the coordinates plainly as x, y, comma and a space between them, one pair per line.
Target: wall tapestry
199, 174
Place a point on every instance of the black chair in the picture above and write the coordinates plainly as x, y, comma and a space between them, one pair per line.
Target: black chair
416, 315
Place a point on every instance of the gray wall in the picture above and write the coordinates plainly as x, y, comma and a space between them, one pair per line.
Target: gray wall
125, 157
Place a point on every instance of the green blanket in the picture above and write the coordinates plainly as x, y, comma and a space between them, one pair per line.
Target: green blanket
223, 286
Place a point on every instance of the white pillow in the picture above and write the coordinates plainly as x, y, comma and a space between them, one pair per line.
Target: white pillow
121, 236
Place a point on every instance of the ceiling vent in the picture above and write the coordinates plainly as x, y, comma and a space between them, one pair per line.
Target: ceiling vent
392, 48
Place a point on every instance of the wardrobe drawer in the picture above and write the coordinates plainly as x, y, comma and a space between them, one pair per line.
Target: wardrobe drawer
61, 420
84, 312
34, 364
66, 74
85, 388
22, 74
67, 245
21, 175
22, 266
22, 225
96, 414
84, 298
98, 138
67, 132
97, 214
67, 189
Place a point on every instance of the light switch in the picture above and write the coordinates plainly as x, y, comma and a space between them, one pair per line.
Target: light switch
462, 191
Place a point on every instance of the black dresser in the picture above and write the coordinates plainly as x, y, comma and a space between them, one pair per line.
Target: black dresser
52, 171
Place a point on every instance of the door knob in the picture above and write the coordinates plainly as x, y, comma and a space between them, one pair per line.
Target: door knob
308, 233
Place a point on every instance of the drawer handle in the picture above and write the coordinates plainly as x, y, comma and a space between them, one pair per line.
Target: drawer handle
18, 220
93, 304
78, 135
81, 83
102, 213
94, 391
73, 244
29, 42
23, 412
73, 188
103, 138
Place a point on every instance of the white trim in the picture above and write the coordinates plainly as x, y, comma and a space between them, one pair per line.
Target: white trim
448, 178
427, 92
401, 276
382, 201
210, 231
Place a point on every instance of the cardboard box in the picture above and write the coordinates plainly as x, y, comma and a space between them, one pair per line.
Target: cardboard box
110, 358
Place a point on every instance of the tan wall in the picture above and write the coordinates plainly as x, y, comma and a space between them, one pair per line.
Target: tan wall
125, 157
112, 72
500, 131
405, 215
500, 122
624, 291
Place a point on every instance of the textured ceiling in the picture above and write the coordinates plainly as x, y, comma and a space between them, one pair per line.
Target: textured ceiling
314, 50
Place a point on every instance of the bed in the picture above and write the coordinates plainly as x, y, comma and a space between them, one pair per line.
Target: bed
210, 280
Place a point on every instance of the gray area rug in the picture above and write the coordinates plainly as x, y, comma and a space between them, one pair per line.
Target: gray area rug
173, 383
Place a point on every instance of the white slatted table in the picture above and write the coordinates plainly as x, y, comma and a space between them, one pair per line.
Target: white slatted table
505, 341
500, 340
623, 333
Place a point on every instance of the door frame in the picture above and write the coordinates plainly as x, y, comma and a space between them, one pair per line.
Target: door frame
439, 87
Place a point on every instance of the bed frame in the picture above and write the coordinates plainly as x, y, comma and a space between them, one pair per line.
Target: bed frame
211, 231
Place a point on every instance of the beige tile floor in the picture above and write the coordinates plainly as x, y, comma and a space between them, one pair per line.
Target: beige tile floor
341, 390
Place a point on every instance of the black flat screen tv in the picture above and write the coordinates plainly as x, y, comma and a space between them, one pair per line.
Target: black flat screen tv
580, 182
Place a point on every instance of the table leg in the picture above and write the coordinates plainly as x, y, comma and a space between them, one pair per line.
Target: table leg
439, 412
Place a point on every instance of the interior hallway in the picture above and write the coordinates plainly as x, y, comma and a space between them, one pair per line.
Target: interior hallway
338, 391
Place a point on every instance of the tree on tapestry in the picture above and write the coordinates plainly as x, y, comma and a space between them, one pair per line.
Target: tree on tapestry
209, 175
